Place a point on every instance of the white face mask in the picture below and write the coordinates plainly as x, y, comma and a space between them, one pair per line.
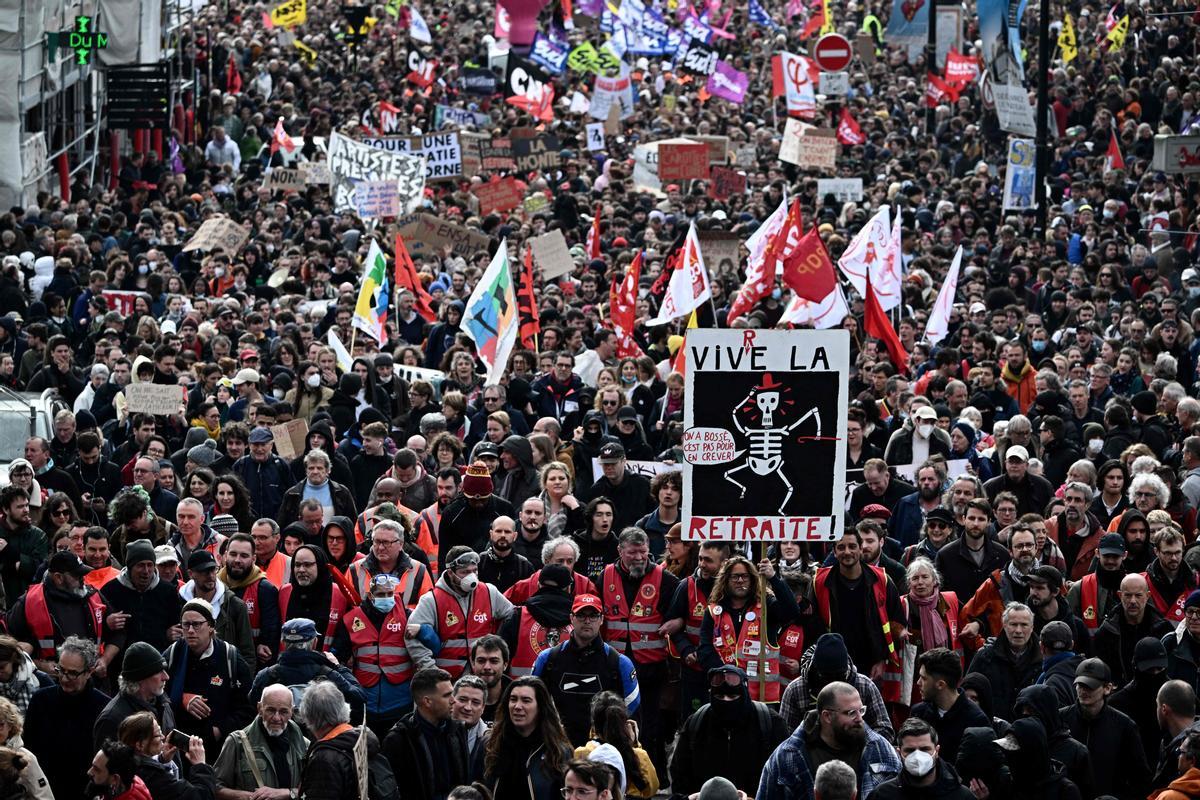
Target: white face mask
313, 380
469, 583
918, 763
924, 430
1095, 445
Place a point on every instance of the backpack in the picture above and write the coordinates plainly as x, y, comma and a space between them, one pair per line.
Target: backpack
614, 665
764, 728
297, 689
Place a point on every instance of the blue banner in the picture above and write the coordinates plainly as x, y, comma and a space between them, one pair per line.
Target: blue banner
1000, 33
909, 22
545, 52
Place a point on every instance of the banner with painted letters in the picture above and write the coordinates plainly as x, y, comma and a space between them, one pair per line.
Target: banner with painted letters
351, 162
442, 152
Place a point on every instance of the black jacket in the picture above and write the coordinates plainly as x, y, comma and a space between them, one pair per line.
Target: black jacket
1007, 672
1183, 658
152, 612
200, 782
125, 705
289, 509
945, 786
329, 772
959, 573
631, 497
950, 726
300, 667
1042, 702
503, 573
1057, 458
223, 679
463, 524
1033, 493
1060, 677
1114, 645
736, 750
413, 745
1138, 701
1118, 761
58, 730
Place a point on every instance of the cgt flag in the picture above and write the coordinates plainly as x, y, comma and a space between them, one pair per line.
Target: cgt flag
370, 312
848, 132
939, 319
280, 140
622, 309
688, 288
490, 318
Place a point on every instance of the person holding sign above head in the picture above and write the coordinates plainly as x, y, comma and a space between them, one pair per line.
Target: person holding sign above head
747, 608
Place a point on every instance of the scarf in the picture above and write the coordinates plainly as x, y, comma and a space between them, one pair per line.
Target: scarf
933, 628
20, 688
1015, 574
255, 574
213, 432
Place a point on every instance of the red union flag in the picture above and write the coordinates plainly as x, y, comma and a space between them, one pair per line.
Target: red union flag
848, 131
623, 309
938, 91
688, 288
808, 270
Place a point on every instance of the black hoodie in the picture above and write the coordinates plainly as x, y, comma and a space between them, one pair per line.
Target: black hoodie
1042, 703
1035, 776
979, 757
312, 602
549, 606
346, 527
340, 471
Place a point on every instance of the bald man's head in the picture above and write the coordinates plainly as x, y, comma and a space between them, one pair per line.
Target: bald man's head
275, 709
1134, 594
502, 535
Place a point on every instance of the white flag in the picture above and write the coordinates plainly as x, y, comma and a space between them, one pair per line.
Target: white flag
490, 318
889, 283
419, 29
939, 318
797, 84
688, 288
828, 313
343, 355
868, 250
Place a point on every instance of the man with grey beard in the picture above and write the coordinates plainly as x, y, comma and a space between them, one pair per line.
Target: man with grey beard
275, 740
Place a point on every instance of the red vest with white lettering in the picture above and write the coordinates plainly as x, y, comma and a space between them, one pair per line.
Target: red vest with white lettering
532, 638
337, 609
697, 600
639, 625
250, 598
791, 645
379, 653
890, 684
746, 649
458, 634
37, 614
1170, 608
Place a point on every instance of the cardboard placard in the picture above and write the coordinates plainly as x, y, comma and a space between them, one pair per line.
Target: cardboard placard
844, 189
219, 232
285, 179
535, 203
289, 437
497, 155
722, 251
352, 162
498, 195
718, 147
551, 255
442, 151
426, 235
806, 146
316, 172
377, 199
682, 161
538, 154
724, 182
154, 398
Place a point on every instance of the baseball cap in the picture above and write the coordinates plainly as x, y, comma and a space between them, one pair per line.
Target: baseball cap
1092, 673
201, 561
1149, 653
940, 514
587, 601
246, 376
69, 563
977, 308
1018, 452
1048, 575
626, 412
261, 436
1057, 635
165, 554
925, 412
1189, 275
611, 453
299, 630
485, 449
249, 352
1112, 544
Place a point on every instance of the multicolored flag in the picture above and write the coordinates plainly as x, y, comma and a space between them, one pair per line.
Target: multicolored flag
688, 287
280, 140
491, 318
370, 312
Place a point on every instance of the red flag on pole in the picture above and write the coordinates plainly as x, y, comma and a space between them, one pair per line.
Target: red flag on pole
233, 78
877, 324
406, 278
622, 310
848, 131
1113, 159
808, 270
527, 310
280, 140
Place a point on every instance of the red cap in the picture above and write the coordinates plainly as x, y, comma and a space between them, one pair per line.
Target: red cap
875, 511
583, 601
248, 353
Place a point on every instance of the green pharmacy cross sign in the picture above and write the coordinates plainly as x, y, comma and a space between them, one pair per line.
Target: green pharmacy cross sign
81, 40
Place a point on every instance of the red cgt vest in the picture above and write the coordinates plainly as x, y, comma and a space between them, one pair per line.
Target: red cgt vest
337, 609
457, 633
37, 614
647, 645
1172, 611
379, 653
532, 638
1089, 602
746, 649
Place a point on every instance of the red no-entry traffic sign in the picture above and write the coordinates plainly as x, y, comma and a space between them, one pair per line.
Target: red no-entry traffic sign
832, 52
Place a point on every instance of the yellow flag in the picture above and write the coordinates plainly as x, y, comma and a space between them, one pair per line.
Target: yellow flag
827, 26
310, 55
290, 13
1066, 41
1116, 37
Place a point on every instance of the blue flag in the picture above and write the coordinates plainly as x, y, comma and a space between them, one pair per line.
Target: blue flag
759, 16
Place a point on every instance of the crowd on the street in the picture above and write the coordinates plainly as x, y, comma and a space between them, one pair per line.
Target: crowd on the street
452, 586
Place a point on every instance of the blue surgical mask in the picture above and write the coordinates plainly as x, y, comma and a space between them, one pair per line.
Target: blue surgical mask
1039, 345
384, 604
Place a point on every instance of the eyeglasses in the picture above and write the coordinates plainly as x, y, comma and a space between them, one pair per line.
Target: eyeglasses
851, 713
586, 616
740, 577
491, 399
1145, 494
1192, 613
61, 512
386, 542
192, 625
609, 402
582, 791
70, 674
